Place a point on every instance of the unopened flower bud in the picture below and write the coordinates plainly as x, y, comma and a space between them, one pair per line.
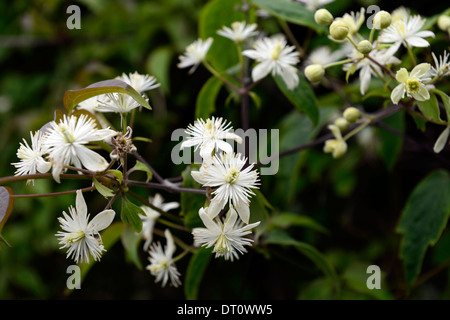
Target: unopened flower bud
314, 72
342, 124
382, 20
337, 147
443, 23
365, 46
351, 114
323, 17
339, 30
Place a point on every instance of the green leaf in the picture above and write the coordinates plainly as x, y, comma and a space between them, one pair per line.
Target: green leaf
195, 271
391, 144
116, 173
6, 205
446, 100
214, 15
423, 219
430, 108
290, 219
158, 65
290, 11
130, 214
130, 241
259, 212
280, 237
206, 100
302, 97
103, 190
73, 97
139, 166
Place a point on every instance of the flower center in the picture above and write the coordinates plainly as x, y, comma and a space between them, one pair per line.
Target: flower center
232, 176
400, 26
221, 246
73, 237
68, 136
413, 84
276, 51
163, 265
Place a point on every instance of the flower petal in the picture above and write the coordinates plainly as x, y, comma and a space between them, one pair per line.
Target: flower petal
261, 70
102, 220
398, 93
243, 210
442, 140
80, 204
91, 160
402, 75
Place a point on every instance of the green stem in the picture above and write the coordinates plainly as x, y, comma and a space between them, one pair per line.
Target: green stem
337, 63
181, 255
411, 54
220, 77
37, 195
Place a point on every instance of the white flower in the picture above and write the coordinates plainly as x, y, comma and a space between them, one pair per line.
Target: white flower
148, 221
314, 4
238, 32
31, 158
195, 54
140, 82
353, 20
442, 67
412, 84
66, 142
337, 147
323, 55
228, 238
81, 237
161, 264
209, 136
118, 103
274, 56
367, 68
406, 32
233, 182
91, 104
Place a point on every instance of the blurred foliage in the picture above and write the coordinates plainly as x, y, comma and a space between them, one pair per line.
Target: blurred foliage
326, 220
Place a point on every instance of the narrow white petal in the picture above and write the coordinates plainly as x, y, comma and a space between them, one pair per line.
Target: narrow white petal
91, 160
442, 140
102, 220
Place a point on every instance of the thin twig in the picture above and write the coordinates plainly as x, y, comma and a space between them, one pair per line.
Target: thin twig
37, 195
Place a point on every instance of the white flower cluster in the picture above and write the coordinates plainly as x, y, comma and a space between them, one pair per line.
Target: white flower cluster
120, 102
64, 143
231, 179
375, 57
272, 54
371, 56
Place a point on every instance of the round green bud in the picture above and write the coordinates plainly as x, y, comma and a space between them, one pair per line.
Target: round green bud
342, 124
323, 17
351, 114
365, 46
339, 30
314, 72
443, 23
382, 20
